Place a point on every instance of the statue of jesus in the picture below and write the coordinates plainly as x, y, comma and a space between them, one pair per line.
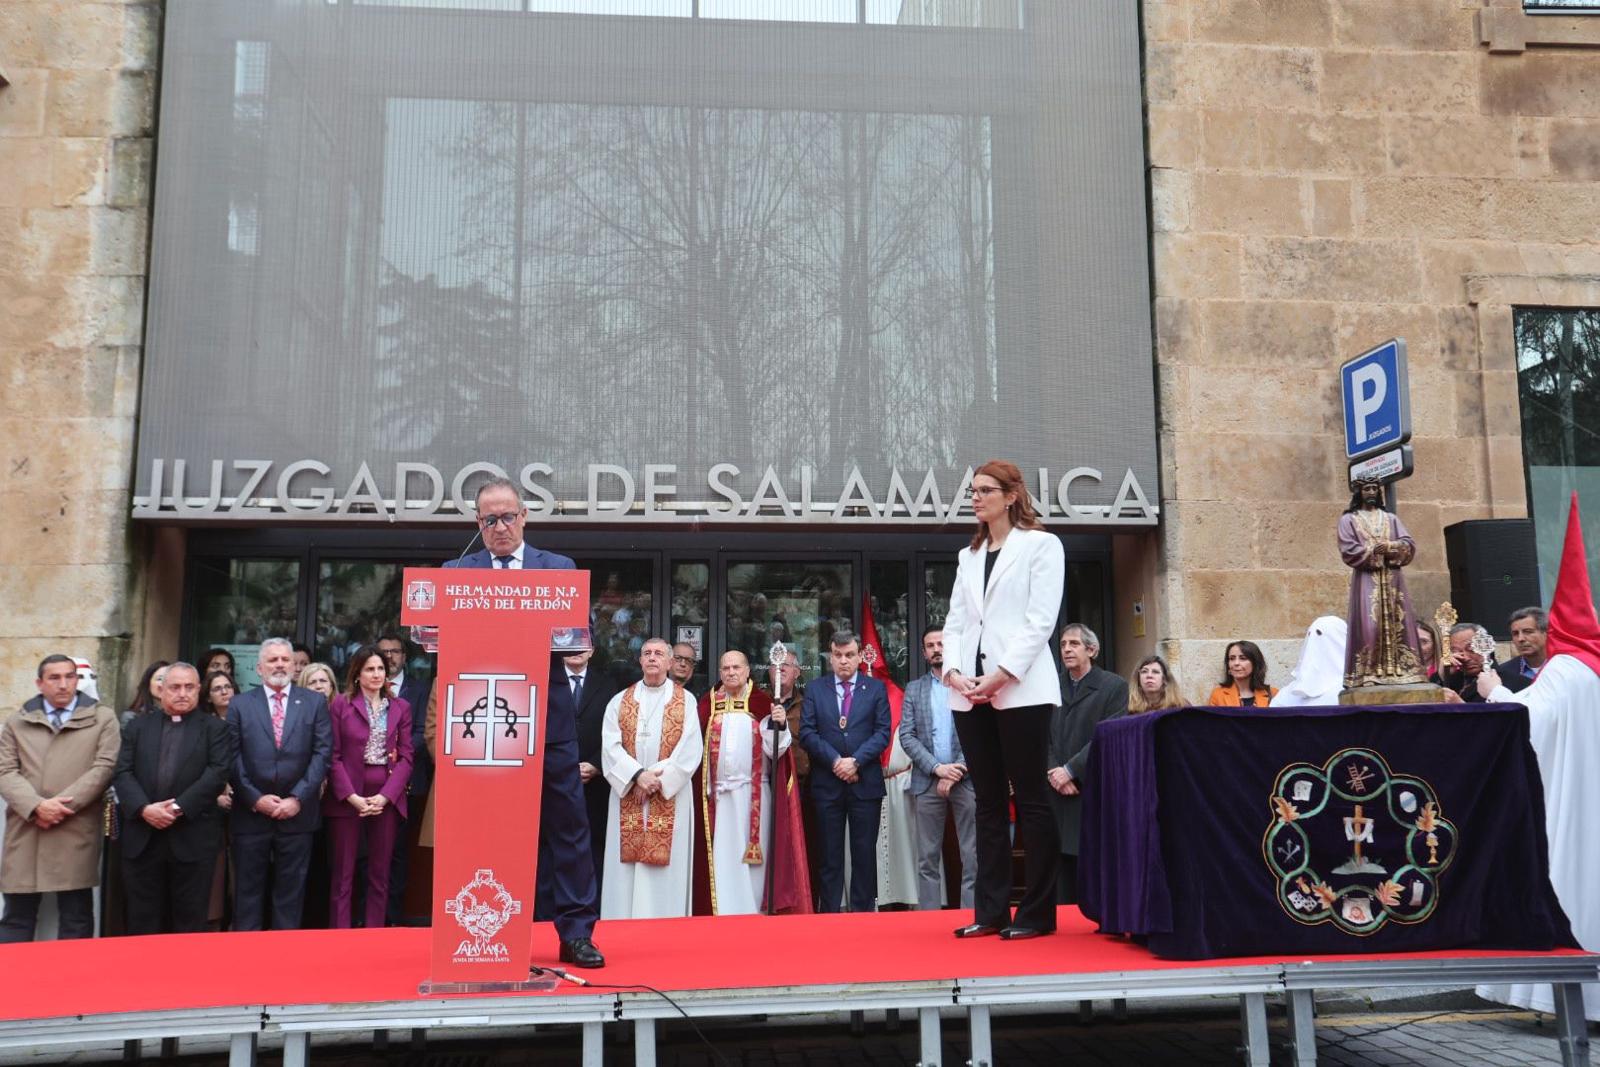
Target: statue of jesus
1382, 645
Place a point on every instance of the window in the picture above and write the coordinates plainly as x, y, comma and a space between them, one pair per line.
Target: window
1558, 386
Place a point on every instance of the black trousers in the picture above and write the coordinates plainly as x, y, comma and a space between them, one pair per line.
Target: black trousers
566, 864
166, 894
279, 860
845, 820
74, 906
1009, 745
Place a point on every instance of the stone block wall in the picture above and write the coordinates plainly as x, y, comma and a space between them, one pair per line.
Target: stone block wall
76, 138
1325, 174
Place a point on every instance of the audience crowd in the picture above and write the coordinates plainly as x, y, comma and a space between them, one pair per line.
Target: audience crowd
207, 804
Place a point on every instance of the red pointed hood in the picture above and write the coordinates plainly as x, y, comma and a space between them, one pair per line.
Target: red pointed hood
1574, 629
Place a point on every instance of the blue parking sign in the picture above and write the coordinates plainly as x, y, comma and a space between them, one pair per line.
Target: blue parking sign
1377, 400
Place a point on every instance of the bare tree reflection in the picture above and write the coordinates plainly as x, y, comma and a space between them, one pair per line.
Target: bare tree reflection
776, 286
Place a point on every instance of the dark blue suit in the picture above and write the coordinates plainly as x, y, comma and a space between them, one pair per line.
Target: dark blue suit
846, 807
598, 689
296, 769
563, 823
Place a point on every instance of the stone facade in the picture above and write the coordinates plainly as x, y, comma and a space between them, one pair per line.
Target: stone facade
76, 127
1325, 174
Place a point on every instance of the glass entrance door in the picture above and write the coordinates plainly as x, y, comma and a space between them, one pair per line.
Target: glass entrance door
713, 591
799, 602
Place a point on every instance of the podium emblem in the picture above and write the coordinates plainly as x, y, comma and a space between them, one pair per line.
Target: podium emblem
421, 596
482, 908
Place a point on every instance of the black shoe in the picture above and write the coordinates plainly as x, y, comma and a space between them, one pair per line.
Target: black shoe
581, 952
1020, 933
977, 930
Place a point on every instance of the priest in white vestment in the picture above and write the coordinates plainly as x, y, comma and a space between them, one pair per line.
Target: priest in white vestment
1564, 727
649, 750
735, 715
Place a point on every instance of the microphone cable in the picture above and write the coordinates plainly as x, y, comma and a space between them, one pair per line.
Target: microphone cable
579, 981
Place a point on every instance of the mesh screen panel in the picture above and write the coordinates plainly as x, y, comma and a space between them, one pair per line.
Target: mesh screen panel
893, 236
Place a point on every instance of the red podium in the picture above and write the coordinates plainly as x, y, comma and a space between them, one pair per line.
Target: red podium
495, 634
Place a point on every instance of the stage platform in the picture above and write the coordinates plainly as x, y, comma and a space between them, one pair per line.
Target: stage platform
313, 982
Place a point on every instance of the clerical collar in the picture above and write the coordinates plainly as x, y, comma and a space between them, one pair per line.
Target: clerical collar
665, 684
175, 718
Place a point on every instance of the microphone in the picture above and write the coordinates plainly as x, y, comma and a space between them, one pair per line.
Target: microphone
476, 533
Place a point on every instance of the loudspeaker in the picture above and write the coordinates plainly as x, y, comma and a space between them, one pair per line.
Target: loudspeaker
1494, 570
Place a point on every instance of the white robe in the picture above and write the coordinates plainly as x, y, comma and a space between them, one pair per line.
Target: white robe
1564, 725
897, 832
741, 886
1319, 675
640, 890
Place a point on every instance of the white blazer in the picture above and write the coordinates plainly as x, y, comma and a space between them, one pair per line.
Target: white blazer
1012, 619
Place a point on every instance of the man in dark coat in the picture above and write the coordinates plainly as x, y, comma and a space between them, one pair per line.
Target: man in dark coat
1089, 696
173, 764
581, 695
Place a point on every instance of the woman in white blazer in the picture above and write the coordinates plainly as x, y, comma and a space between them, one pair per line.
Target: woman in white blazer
1003, 686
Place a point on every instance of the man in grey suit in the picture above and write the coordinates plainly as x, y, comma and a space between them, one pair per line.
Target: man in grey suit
939, 782
1089, 696
283, 739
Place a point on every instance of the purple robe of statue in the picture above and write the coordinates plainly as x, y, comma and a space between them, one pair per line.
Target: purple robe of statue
1382, 645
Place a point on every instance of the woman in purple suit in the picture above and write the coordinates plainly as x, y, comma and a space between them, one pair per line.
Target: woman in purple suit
366, 784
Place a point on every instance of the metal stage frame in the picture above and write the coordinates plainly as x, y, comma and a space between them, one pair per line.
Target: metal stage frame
977, 998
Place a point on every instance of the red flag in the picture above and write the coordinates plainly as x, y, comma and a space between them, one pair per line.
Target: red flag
875, 661
1574, 630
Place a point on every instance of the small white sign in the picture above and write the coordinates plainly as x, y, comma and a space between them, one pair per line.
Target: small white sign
693, 635
1383, 467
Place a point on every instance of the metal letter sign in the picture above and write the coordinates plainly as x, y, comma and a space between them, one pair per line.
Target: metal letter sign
1377, 400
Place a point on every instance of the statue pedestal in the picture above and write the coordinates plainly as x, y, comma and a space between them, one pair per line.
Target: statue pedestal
1377, 695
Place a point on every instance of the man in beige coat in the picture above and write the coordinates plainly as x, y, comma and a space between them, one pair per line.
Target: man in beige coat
56, 759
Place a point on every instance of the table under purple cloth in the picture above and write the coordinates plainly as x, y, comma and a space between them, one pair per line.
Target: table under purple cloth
1184, 829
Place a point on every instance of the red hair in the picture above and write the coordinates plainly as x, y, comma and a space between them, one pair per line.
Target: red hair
1009, 475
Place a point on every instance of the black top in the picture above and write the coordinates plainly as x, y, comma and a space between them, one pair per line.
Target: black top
167, 757
988, 569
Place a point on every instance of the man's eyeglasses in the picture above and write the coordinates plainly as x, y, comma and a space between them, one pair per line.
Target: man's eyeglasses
684, 659
488, 521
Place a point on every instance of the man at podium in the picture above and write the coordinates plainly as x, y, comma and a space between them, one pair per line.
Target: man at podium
564, 823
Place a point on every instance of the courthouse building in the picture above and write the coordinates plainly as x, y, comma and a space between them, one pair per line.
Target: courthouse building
739, 290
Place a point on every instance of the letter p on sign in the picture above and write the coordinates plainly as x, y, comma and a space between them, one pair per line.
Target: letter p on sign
1370, 388
1377, 400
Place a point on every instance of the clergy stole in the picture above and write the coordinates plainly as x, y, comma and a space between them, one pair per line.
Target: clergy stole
648, 838
722, 705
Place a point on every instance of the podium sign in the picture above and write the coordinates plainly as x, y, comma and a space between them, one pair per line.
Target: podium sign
494, 661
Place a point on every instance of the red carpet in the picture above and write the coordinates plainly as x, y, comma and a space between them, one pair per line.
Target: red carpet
132, 974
